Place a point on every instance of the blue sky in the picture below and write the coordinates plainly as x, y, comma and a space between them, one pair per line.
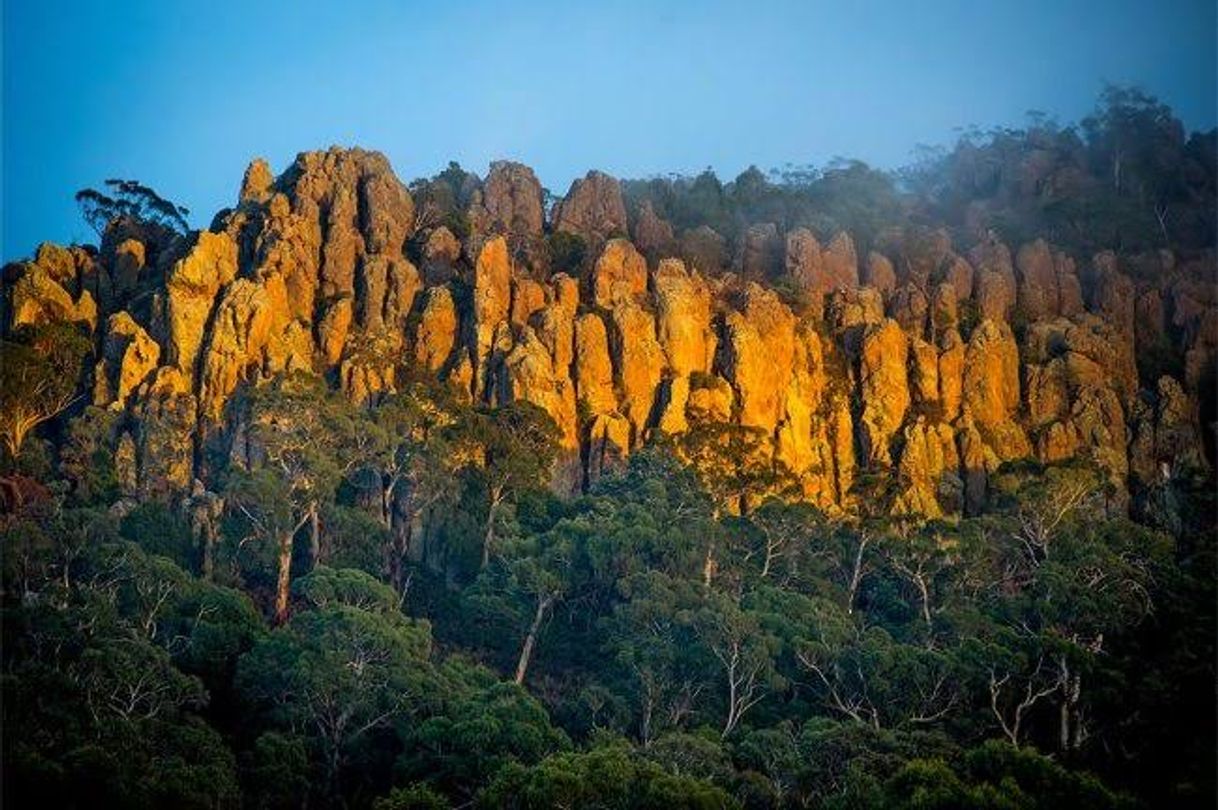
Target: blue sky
180, 95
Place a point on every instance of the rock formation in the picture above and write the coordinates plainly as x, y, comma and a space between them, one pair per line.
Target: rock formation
918, 363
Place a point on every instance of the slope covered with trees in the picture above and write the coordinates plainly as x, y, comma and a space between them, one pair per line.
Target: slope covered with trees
669, 493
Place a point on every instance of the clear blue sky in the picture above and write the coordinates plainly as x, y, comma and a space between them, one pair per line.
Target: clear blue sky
181, 94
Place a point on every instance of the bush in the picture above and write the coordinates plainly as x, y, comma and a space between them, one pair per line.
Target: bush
158, 530
567, 252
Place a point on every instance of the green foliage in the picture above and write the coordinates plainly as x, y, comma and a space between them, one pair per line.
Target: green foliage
479, 732
353, 538
516, 445
442, 200
567, 252
276, 773
341, 673
603, 777
123, 726
154, 527
132, 201
1127, 178
87, 456
415, 797
40, 369
996, 775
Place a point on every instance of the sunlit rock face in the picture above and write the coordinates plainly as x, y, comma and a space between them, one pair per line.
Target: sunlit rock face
909, 358
593, 209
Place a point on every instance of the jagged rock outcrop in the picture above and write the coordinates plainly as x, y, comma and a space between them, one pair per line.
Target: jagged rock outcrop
530, 376
167, 418
760, 252
951, 373
257, 182
1166, 441
128, 356
593, 209
879, 274
759, 355
509, 202
683, 318
928, 477
1048, 283
437, 331
492, 300
36, 293
819, 271
593, 366
913, 370
704, 249
883, 388
440, 254
849, 312
994, 285
191, 288
653, 235
990, 389
638, 364
620, 274
240, 330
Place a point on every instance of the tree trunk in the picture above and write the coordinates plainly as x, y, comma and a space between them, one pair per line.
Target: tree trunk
284, 582
314, 536
489, 538
732, 716
1070, 730
387, 504
770, 545
399, 545
856, 575
12, 443
645, 720
209, 554
925, 593
402, 509
530, 641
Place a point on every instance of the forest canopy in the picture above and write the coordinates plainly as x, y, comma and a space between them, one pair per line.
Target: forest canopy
551, 652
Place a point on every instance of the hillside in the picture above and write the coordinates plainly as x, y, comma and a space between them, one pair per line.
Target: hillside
829, 488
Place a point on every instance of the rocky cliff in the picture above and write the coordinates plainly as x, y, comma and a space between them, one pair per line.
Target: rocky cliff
925, 363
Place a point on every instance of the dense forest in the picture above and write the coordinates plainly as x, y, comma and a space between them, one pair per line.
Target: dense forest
386, 601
